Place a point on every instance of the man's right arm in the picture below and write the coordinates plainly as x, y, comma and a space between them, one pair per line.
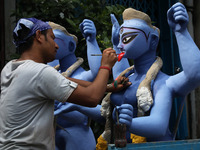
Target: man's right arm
91, 95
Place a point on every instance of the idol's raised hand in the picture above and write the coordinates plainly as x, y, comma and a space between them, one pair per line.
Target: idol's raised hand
177, 17
88, 29
115, 31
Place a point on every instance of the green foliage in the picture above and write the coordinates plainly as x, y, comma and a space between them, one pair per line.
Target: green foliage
70, 13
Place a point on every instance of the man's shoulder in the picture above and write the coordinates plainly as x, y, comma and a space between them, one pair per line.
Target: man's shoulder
29, 67
32, 65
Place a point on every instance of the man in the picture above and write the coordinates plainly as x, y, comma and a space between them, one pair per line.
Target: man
29, 88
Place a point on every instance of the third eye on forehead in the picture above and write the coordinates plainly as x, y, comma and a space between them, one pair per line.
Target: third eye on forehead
124, 30
129, 36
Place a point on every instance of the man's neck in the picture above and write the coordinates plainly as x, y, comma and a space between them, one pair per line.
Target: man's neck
31, 55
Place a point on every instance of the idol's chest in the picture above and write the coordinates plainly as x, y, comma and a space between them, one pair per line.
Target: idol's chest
130, 93
128, 96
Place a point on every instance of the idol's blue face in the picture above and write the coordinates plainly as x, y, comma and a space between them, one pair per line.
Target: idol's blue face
66, 44
133, 42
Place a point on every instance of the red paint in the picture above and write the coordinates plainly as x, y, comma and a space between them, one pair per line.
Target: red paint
120, 56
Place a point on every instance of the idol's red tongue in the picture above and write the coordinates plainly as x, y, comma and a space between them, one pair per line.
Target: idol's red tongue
120, 56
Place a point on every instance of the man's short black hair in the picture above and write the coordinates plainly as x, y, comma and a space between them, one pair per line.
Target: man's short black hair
29, 42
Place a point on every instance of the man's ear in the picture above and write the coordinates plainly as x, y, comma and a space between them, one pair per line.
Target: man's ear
38, 35
154, 39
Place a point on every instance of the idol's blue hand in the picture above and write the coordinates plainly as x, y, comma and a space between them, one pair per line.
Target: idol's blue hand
177, 17
125, 114
115, 31
88, 29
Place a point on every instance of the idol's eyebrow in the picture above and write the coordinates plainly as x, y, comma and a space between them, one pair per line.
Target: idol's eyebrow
128, 33
139, 30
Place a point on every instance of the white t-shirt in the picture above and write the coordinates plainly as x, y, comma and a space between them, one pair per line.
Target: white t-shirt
28, 91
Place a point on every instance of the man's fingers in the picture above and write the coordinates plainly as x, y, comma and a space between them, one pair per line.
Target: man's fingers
123, 80
109, 50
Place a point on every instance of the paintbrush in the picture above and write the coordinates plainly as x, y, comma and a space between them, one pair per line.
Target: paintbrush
99, 54
120, 55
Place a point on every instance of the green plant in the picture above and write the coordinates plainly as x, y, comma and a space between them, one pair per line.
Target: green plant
70, 13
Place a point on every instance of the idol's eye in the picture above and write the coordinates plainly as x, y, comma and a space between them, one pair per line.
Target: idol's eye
128, 39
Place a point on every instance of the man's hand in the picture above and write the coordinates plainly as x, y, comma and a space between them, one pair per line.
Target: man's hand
177, 17
88, 29
119, 84
109, 58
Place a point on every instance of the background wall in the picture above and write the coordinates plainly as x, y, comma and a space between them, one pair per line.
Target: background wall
9, 6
